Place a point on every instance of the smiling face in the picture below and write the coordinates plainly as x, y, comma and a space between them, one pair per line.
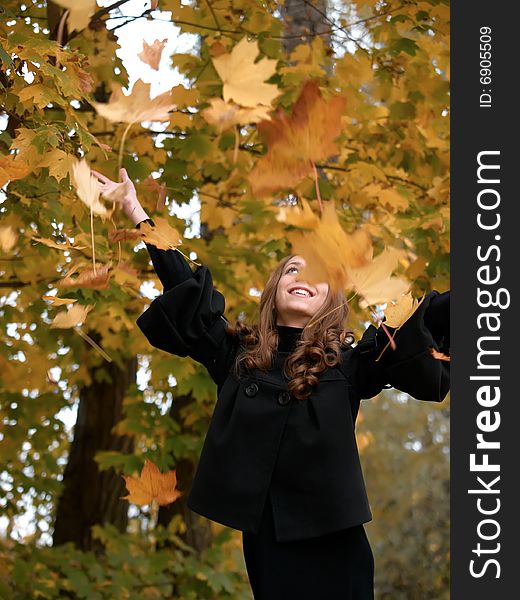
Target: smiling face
296, 300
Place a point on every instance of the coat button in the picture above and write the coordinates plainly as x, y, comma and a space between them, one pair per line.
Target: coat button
284, 398
251, 390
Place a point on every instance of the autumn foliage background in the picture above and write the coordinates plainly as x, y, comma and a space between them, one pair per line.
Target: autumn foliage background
65, 530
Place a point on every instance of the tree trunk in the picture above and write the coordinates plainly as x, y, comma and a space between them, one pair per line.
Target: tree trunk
304, 19
198, 532
90, 496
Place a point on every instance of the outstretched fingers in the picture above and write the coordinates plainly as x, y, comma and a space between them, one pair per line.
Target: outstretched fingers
100, 176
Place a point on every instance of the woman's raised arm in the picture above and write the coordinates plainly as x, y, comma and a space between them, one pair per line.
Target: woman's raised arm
411, 367
187, 319
171, 267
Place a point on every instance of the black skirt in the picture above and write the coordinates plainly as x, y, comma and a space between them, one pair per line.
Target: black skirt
336, 566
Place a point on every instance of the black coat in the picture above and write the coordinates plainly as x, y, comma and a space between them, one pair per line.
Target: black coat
261, 440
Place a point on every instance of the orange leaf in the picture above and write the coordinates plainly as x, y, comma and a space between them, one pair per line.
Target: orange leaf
151, 54
97, 280
439, 355
152, 485
152, 185
8, 238
297, 141
11, 169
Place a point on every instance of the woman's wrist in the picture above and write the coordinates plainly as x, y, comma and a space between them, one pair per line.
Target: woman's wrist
137, 214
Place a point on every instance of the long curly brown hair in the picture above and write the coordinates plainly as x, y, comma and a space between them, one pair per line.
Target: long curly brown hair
318, 349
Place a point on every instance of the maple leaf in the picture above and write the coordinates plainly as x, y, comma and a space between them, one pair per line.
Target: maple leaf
67, 245
294, 215
72, 317
162, 236
328, 250
374, 281
243, 78
152, 485
226, 114
124, 235
8, 238
151, 53
80, 12
58, 162
137, 106
153, 186
87, 187
396, 314
59, 301
439, 355
12, 169
296, 142
97, 279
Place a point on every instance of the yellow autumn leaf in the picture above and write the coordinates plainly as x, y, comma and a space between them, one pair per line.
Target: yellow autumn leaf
162, 236
299, 217
59, 301
226, 114
243, 78
391, 198
152, 485
52, 244
137, 106
399, 312
374, 281
87, 187
8, 238
80, 12
329, 251
58, 162
12, 168
71, 317
151, 53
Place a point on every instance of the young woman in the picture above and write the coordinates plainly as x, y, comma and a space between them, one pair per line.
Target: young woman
280, 461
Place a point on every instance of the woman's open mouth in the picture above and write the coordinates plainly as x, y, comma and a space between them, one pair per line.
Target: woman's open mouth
302, 292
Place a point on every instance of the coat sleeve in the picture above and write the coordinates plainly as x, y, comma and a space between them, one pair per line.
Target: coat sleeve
171, 267
188, 320
411, 367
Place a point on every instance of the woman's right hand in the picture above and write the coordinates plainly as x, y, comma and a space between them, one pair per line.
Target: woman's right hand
123, 193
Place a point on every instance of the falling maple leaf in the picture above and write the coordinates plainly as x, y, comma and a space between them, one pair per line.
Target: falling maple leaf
440, 355
299, 217
124, 235
137, 106
243, 78
296, 142
87, 187
153, 186
97, 279
152, 485
396, 314
59, 301
73, 316
162, 236
329, 251
8, 238
67, 245
80, 12
226, 114
374, 281
151, 53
